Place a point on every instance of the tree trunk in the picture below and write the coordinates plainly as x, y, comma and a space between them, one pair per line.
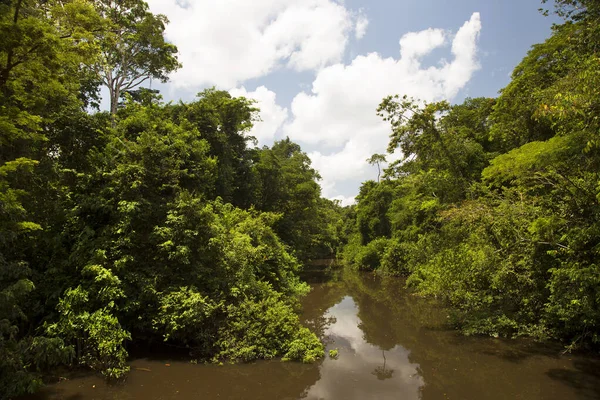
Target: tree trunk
5, 73
114, 102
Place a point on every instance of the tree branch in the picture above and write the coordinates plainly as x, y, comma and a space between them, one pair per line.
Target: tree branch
134, 84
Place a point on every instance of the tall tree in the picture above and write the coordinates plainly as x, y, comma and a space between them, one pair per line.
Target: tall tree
224, 121
288, 185
133, 46
377, 159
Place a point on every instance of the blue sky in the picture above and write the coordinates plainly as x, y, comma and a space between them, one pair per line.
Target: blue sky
318, 68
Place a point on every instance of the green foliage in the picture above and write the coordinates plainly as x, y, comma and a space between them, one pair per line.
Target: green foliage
288, 185
43, 48
223, 121
372, 220
150, 223
87, 321
185, 315
266, 328
23, 361
531, 157
367, 257
396, 257
495, 204
305, 347
333, 353
132, 47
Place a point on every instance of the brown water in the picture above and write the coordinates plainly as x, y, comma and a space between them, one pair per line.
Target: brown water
391, 345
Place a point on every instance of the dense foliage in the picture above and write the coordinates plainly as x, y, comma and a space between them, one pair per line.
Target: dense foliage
494, 205
152, 223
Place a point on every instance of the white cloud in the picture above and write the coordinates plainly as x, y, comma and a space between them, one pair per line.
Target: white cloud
414, 45
338, 115
226, 42
272, 115
345, 200
362, 23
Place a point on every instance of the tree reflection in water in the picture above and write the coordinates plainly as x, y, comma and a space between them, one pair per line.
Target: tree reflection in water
381, 372
352, 375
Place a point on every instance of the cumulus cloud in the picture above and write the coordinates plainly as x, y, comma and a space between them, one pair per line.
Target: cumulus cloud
414, 45
226, 42
272, 116
338, 114
362, 23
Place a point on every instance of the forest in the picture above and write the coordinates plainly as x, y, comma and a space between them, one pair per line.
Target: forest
150, 223
493, 205
156, 223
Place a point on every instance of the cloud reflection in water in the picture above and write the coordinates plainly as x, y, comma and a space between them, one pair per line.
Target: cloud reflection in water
362, 370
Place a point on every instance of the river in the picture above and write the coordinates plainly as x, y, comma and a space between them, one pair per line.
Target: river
391, 345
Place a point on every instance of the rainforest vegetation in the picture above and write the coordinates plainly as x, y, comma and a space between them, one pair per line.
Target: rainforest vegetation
492, 205
152, 223
160, 223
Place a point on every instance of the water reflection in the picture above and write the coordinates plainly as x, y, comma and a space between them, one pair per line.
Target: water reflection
363, 370
382, 372
390, 345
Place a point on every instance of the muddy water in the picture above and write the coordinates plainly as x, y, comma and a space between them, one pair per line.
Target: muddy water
390, 345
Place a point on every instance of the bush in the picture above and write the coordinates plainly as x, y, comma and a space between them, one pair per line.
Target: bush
266, 328
396, 258
369, 257
305, 347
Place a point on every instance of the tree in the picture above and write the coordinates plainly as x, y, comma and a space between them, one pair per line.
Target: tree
446, 143
41, 53
224, 121
377, 159
371, 211
495, 207
133, 47
574, 9
112, 230
416, 130
288, 185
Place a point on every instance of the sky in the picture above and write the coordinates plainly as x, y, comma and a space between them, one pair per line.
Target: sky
319, 68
